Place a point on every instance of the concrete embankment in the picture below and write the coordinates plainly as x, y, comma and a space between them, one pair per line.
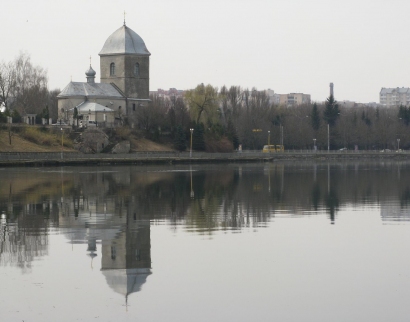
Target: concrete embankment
72, 158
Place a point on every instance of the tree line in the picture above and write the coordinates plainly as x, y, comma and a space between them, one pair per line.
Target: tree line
222, 119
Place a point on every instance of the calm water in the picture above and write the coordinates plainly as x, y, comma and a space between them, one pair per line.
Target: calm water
241, 242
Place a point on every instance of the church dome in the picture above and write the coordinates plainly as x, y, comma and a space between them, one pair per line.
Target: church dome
124, 41
90, 72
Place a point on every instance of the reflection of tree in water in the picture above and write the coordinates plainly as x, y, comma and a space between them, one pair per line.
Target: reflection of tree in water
220, 200
29, 206
221, 196
209, 195
24, 234
332, 204
316, 196
405, 197
230, 198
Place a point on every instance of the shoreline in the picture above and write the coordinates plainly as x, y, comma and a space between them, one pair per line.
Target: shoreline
28, 159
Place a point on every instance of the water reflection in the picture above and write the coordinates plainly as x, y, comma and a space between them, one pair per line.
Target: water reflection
110, 209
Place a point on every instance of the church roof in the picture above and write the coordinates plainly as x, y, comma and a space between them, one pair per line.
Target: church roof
90, 90
124, 41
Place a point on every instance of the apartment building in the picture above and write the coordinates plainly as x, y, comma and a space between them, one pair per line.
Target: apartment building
273, 97
390, 97
293, 99
171, 93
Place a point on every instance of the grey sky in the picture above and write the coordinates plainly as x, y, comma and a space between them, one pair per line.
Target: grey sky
284, 45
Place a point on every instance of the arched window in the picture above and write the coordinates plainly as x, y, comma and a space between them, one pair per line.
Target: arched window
112, 69
137, 69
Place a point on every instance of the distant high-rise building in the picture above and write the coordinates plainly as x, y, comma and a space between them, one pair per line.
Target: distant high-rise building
172, 92
391, 97
273, 97
293, 99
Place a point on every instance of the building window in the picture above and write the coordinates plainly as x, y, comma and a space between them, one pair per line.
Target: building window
112, 69
137, 69
133, 107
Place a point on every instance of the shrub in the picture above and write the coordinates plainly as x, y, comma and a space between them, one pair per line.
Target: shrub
122, 133
222, 145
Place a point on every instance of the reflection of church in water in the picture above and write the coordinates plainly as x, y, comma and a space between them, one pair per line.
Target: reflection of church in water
123, 239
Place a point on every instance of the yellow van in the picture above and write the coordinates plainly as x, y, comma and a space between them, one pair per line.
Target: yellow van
273, 148
269, 148
280, 148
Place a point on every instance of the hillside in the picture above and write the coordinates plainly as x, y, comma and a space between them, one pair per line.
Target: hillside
20, 144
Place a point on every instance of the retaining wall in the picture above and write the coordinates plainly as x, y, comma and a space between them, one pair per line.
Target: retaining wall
67, 158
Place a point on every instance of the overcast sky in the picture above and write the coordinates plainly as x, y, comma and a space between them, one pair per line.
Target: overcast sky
284, 45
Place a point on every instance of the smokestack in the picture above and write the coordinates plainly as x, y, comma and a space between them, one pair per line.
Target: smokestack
331, 89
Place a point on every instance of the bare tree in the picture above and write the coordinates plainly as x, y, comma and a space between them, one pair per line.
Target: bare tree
177, 114
7, 82
151, 117
235, 99
30, 90
254, 119
52, 102
230, 100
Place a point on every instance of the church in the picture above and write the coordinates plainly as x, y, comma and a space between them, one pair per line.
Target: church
124, 68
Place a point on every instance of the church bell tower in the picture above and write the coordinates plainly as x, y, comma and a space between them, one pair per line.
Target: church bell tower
124, 62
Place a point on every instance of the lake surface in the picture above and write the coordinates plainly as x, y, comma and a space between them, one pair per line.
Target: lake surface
238, 242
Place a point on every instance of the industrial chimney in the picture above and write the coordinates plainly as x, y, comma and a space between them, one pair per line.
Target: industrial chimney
331, 89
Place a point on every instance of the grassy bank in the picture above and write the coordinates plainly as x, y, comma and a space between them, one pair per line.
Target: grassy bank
32, 139
48, 139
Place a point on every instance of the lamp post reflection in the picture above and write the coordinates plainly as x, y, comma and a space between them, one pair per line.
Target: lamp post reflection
281, 135
192, 188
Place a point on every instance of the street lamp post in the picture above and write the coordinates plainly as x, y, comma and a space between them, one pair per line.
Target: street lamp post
314, 144
398, 144
62, 142
269, 140
190, 151
281, 135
